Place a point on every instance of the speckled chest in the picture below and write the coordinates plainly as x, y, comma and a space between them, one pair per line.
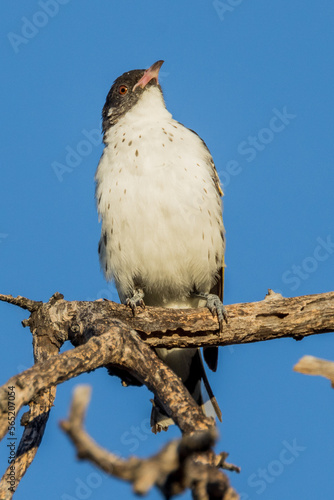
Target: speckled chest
159, 205
161, 169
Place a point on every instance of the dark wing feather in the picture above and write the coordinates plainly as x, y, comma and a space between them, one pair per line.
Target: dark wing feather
211, 353
214, 174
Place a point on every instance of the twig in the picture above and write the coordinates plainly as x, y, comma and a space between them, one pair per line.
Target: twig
221, 462
22, 302
309, 365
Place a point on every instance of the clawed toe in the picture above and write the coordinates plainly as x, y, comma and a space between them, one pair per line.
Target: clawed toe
136, 301
216, 307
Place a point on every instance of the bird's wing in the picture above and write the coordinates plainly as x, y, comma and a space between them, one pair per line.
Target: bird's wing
218, 288
214, 174
211, 353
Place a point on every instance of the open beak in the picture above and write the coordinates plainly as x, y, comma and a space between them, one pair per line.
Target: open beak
149, 74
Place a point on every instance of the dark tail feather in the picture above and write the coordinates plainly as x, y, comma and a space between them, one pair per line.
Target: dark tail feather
210, 393
211, 357
159, 418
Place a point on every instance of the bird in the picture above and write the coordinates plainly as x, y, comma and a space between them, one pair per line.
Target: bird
159, 199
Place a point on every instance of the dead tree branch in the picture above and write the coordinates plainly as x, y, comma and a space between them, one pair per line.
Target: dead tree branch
272, 318
23, 302
309, 365
172, 470
107, 334
122, 348
34, 420
34, 423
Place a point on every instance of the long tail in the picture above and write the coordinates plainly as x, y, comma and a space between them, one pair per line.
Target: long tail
188, 365
210, 393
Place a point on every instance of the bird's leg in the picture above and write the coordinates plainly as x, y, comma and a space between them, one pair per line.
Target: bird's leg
136, 300
215, 306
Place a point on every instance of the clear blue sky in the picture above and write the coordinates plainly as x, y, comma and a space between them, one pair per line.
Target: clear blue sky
255, 80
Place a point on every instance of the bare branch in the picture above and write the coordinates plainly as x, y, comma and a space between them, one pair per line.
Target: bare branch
35, 420
309, 365
221, 462
34, 423
22, 302
124, 349
108, 334
172, 470
274, 317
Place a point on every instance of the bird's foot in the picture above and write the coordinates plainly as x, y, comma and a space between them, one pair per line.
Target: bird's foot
136, 300
215, 306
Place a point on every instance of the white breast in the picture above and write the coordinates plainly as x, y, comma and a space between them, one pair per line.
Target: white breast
160, 209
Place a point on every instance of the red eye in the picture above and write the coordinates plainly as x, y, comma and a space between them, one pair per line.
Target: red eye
122, 90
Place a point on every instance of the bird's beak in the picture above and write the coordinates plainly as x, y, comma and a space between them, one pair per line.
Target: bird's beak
149, 74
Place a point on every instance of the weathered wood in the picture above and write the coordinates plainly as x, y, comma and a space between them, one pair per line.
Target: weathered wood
272, 318
173, 469
105, 333
34, 420
309, 365
123, 349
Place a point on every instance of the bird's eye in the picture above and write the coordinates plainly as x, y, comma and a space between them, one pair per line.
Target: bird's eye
122, 90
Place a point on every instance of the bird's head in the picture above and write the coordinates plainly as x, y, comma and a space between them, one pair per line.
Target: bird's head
126, 91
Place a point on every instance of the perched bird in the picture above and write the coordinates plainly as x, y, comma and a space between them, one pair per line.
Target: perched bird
159, 198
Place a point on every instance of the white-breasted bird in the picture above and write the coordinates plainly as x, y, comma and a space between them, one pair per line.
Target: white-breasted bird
159, 198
